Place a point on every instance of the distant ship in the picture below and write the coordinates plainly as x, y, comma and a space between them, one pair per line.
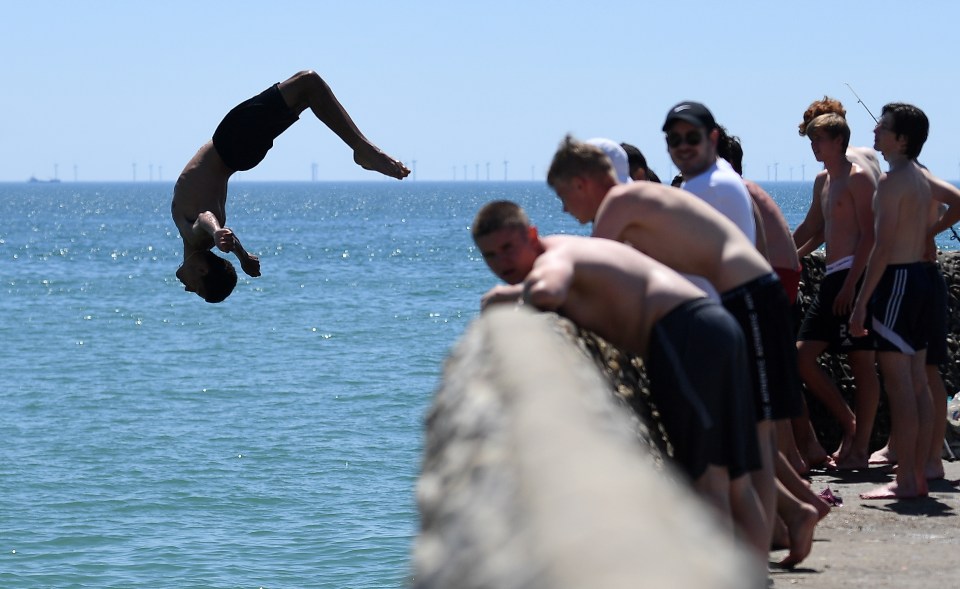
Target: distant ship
35, 180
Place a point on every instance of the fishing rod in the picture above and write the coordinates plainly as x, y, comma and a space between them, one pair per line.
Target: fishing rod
862, 103
955, 237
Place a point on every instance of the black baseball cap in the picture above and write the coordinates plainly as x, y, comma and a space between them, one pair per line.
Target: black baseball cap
691, 112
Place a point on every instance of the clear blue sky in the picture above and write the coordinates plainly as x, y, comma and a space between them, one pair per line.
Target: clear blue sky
103, 87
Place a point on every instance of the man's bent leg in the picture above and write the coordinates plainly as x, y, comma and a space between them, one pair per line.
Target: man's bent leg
825, 389
306, 89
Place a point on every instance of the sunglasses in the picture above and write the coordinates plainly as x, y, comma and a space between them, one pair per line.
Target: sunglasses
691, 138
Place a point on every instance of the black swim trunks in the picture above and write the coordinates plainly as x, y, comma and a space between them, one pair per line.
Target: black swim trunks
901, 308
701, 385
820, 324
246, 134
937, 346
763, 312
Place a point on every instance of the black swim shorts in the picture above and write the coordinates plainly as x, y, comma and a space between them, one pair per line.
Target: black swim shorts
699, 380
937, 345
763, 312
246, 134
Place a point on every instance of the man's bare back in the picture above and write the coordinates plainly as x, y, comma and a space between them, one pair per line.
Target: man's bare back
866, 158
606, 287
781, 251
680, 230
903, 192
895, 274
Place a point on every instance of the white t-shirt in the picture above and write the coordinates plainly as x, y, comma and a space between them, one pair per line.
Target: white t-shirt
722, 188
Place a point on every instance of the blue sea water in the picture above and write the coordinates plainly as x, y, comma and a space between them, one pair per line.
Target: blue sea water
273, 440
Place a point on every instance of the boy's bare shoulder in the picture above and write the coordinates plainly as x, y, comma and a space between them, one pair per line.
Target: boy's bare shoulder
861, 180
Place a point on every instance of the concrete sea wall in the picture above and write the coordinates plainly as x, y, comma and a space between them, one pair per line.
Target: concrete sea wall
537, 473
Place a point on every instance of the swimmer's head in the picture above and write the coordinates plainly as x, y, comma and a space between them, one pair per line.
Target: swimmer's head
207, 274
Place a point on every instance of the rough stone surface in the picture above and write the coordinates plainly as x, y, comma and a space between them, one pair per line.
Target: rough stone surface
536, 476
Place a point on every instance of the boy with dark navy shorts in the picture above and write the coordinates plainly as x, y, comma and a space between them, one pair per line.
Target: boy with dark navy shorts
762, 309
698, 348
899, 285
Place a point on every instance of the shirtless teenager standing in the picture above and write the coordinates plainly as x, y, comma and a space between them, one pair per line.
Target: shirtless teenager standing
841, 216
240, 142
898, 286
865, 157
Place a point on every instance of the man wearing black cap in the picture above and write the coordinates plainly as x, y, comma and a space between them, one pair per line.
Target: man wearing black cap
692, 135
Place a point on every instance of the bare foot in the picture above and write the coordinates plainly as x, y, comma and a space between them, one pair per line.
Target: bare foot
852, 461
883, 456
814, 455
846, 446
828, 464
370, 158
800, 526
893, 491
